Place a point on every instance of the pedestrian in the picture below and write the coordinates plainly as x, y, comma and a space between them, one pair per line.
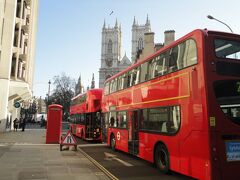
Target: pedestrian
23, 124
42, 121
15, 124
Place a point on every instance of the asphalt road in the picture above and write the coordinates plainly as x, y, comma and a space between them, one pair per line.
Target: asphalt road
124, 166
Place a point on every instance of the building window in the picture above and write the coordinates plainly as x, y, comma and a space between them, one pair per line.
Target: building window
5, 5
13, 67
24, 10
140, 44
18, 13
109, 50
25, 48
16, 34
2, 31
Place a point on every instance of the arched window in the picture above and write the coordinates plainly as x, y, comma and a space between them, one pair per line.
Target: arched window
109, 46
140, 44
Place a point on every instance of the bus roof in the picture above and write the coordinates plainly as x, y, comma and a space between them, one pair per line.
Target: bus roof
204, 32
86, 92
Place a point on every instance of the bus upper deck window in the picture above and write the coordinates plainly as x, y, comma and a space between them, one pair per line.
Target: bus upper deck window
227, 48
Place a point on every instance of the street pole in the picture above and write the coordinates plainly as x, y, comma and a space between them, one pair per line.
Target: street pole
212, 18
48, 95
49, 84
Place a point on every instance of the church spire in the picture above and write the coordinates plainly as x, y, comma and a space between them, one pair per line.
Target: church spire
79, 86
147, 21
104, 25
93, 82
116, 24
134, 21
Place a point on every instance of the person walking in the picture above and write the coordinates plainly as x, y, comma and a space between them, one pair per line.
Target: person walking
15, 124
42, 121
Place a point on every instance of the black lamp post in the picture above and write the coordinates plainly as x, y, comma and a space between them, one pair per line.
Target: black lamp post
212, 18
49, 84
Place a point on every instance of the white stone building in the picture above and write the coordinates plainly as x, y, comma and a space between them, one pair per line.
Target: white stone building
18, 26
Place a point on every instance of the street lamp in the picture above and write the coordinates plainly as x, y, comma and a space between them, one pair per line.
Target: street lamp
211, 17
49, 84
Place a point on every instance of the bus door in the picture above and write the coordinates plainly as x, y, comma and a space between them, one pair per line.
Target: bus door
133, 131
104, 126
88, 126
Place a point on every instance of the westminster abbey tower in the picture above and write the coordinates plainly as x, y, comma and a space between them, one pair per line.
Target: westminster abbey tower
112, 61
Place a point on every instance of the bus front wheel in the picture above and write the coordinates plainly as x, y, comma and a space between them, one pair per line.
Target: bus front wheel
113, 143
161, 158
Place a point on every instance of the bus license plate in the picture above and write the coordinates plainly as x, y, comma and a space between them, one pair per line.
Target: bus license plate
233, 150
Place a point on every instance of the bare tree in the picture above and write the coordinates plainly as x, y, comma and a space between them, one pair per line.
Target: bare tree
63, 93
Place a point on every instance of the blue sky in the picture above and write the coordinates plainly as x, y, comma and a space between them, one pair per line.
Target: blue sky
69, 32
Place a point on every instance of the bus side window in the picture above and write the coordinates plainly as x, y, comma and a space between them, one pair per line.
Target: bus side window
144, 72
174, 119
121, 119
120, 83
106, 89
143, 118
173, 59
111, 85
129, 74
151, 68
161, 67
137, 75
190, 53
112, 119
134, 76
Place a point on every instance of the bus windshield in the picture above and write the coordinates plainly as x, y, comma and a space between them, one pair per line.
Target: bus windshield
228, 96
227, 48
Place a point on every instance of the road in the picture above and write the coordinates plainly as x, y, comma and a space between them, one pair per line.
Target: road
124, 166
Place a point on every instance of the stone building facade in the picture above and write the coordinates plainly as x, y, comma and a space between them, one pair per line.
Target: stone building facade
112, 61
18, 27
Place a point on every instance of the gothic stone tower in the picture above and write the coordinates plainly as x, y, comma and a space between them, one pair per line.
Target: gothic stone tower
138, 32
110, 52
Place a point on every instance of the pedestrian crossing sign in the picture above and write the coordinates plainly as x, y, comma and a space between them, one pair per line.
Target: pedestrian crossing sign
68, 139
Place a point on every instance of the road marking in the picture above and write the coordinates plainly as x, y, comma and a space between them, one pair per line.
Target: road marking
110, 156
43, 144
32, 144
104, 170
25, 144
91, 145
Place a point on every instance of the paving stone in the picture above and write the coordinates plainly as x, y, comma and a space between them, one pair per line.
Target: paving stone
25, 156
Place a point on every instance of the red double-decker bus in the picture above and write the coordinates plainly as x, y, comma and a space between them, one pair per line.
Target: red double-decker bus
180, 107
85, 115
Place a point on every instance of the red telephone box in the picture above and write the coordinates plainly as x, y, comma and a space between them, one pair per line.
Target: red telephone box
54, 124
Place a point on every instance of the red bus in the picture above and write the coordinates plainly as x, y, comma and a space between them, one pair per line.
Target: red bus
180, 107
85, 118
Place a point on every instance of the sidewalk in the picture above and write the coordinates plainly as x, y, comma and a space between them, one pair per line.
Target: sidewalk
25, 156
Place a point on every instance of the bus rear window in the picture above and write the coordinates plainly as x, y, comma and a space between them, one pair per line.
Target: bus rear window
228, 97
227, 49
